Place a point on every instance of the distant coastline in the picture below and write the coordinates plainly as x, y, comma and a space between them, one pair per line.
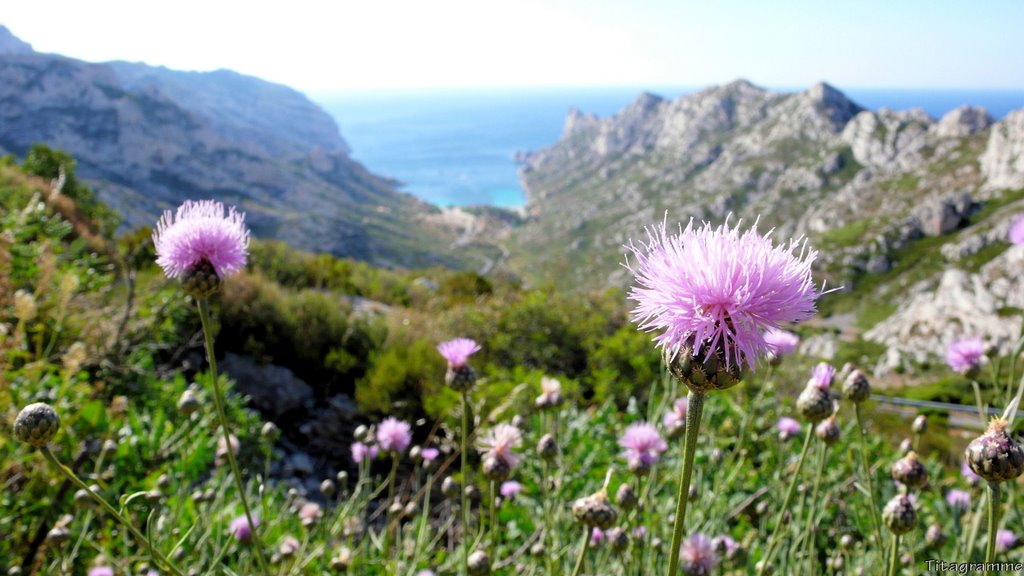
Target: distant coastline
457, 147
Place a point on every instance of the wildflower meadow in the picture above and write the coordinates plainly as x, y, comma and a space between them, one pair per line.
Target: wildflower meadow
736, 454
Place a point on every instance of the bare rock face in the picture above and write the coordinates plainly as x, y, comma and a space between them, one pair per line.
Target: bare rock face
963, 121
11, 44
886, 139
274, 390
944, 215
1002, 163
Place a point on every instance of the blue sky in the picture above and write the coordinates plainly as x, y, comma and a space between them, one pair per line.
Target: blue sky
344, 45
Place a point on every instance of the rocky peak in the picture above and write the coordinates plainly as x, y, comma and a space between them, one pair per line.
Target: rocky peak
11, 44
837, 108
578, 122
1002, 163
963, 121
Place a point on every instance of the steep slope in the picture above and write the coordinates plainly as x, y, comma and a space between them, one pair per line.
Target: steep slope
891, 198
147, 138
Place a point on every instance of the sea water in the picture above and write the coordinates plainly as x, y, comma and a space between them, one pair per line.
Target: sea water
457, 147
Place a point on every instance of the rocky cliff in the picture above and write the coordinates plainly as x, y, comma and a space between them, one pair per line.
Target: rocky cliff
146, 138
902, 205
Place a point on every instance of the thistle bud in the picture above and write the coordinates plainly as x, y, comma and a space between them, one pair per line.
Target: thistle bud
416, 453
189, 403
36, 424
518, 421
994, 455
595, 510
341, 560
201, 280
547, 447
361, 433
327, 487
920, 424
934, 537
899, 515
58, 535
460, 378
617, 539
496, 469
906, 446
625, 497
449, 487
814, 403
472, 492
909, 471
856, 387
479, 563
828, 431
701, 375
270, 432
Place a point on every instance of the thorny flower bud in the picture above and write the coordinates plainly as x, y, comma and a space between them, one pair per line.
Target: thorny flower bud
36, 424
188, 403
596, 510
201, 280
920, 424
906, 446
547, 448
617, 539
496, 469
814, 403
909, 471
994, 455
934, 537
899, 515
460, 378
856, 387
270, 431
625, 497
449, 487
327, 487
479, 563
828, 431
709, 372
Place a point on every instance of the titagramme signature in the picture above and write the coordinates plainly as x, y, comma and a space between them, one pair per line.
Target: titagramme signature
969, 567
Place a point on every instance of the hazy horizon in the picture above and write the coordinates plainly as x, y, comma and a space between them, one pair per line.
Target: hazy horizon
460, 44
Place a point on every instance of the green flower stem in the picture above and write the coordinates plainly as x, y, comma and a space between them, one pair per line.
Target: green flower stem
139, 537
218, 397
809, 540
694, 410
894, 556
766, 560
583, 552
387, 507
492, 523
993, 522
548, 521
972, 538
465, 483
875, 520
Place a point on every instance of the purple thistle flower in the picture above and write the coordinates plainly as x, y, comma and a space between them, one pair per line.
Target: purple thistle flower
822, 376
1005, 540
499, 441
310, 513
959, 500
510, 489
430, 454
596, 536
780, 342
676, 416
642, 444
788, 427
101, 571
697, 556
361, 452
240, 528
711, 288
394, 435
640, 532
1016, 234
458, 351
968, 474
965, 355
201, 231
725, 545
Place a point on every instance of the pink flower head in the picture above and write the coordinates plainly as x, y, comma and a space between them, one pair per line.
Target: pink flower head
101, 571
394, 435
725, 545
780, 342
310, 513
788, 427
639, 532
201, 231
959, 500
596, 536
968, 474
430, 454
715, 288
1005, 540
240, 528
458, 351
676, 416
499, 442
642, 444
425, 573
289, 545
697, 556
510, 489
1017, 230
361, 452
822, 376
965, 355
